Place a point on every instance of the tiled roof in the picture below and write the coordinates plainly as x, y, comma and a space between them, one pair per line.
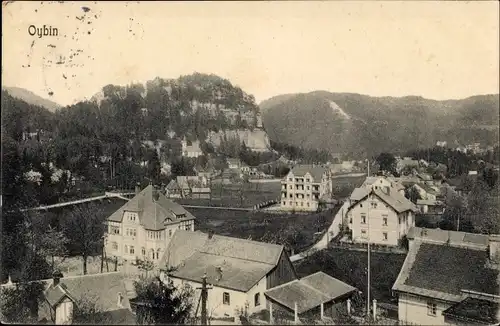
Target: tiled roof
429, 202
441, 271
172, 185
359, 193
186, 181
474, 310
186, 243
102, 289
315, 171
237, 274
309, 292
397, 201
152, 213
454, 238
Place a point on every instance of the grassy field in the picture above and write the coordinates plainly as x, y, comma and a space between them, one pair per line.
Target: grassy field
351, 268
343, 186
303, 228
229, 195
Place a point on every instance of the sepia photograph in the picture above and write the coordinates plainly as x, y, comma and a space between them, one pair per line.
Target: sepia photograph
250, 163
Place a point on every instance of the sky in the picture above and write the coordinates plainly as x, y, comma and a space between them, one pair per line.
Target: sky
438, 50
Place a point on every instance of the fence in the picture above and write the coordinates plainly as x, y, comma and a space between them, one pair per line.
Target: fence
364, 247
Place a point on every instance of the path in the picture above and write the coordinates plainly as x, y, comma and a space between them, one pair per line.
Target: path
221, 207
81, 201
332, 232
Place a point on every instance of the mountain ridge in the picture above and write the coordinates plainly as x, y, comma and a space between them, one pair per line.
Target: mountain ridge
31, 98
362, 124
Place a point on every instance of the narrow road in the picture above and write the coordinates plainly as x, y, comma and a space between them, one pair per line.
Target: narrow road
332, 232
218, 207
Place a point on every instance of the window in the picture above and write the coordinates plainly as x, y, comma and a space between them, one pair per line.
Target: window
132, 251
431, 308
257, 299
361, 205
363, 218
289, 179
143, 251
384, 220
114, 230
384, 236
290, 203
126, 249
188, 227
114, 246
290, 187
283, 203
308, 187
307, 204
170, 233
363, 234
301, 204
374, 205
226, 299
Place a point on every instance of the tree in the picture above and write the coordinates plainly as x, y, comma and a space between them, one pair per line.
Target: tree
145, 265
84, 226
483, 208
386, 162
162, 304
412, 194
154, 166
19, 303
87, 311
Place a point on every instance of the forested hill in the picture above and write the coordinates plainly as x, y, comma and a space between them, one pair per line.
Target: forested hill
361, 124
115, 129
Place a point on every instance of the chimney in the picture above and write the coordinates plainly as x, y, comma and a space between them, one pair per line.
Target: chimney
218, 270
388, 190
210, 234
56, 276
494, 247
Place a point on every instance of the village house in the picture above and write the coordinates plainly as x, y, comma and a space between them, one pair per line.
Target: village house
187, 186
191, 149
441, 143
406, 163
303, 186
429, 206
233, 163
381, 182
144, 226
62, 295
238, 270
382, 216
447, 276
247, 276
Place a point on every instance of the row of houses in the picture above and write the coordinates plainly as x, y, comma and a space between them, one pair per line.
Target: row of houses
448, 278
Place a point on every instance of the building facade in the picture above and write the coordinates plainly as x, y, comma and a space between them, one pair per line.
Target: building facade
303, 186
380, 217
238, 271
143, 227
464, 266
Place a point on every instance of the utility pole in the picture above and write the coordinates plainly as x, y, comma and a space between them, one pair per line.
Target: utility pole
204, 297
368, 287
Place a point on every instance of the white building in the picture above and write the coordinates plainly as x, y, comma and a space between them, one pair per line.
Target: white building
303, 186
382, 216
239, 271
444, 269
144, 226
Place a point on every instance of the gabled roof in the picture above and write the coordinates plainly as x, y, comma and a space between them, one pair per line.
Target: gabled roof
101, 289
359, 193
236, 274
185, 243
309, 292
315, 171
424, 176
442, 271
394, 199
454, 238
152, 213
